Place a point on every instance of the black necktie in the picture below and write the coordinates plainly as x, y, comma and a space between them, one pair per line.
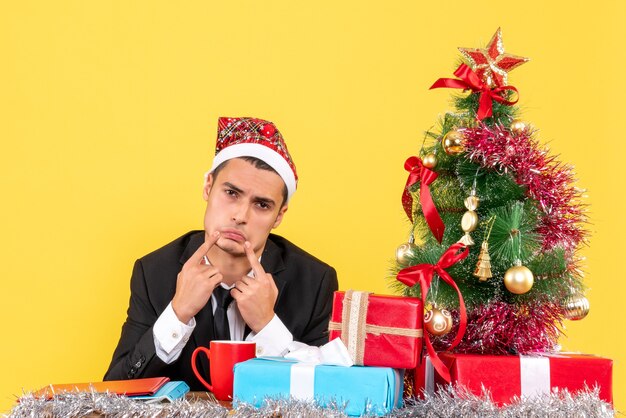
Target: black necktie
221, 330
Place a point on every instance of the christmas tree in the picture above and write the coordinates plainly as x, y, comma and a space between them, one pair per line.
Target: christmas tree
496, 221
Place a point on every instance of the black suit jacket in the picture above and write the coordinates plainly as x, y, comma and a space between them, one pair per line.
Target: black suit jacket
305, 289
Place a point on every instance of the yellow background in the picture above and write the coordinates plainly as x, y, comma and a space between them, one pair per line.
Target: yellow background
108, 118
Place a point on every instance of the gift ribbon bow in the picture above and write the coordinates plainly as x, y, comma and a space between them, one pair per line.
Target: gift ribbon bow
470, 80
423, 274
425, 176
354, 327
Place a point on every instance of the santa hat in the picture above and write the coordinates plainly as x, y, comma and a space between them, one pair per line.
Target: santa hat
252, 137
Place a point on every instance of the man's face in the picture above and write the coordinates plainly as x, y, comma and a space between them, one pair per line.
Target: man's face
243, 204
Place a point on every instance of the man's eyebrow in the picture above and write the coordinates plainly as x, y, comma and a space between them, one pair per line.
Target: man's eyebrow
232, 186
260, 199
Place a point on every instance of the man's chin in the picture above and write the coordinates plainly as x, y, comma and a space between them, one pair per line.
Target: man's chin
231, 247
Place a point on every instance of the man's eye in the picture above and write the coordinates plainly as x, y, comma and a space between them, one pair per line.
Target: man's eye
231, 192
263, 205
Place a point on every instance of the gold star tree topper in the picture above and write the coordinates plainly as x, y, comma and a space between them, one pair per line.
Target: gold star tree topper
492, 64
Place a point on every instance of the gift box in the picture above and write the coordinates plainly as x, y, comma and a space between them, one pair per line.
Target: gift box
371, 390
378, 330
523, 376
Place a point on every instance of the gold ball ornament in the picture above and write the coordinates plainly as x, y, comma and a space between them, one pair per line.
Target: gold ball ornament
576, 307
404, 252
518, 126
429, 160
518, 279
453, 143
437, 321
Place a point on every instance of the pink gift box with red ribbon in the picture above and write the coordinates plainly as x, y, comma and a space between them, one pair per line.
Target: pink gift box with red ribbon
523, 376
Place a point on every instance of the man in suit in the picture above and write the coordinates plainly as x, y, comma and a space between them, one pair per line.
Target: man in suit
234, 280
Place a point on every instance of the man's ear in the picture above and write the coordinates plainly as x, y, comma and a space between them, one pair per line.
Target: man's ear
208, 183
279, 218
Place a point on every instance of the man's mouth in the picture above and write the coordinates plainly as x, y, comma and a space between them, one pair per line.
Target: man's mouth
233, 234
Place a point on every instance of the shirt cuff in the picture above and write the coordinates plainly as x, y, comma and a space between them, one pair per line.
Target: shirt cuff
272, 340
171, 335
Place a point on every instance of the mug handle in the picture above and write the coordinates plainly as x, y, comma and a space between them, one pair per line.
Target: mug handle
195, 370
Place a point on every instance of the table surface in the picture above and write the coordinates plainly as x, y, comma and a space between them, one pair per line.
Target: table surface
207, 396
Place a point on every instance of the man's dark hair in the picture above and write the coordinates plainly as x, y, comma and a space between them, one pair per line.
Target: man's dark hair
257, 163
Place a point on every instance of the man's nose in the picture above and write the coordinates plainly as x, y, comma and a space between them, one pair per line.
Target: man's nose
240, 214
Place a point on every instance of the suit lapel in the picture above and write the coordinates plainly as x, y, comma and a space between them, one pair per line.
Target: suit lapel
195, 241
203, 332
272, 262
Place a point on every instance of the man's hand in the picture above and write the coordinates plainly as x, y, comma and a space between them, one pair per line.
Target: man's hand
255, 296
195, 283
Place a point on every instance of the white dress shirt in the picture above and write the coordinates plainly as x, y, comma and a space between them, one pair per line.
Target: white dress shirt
171, 335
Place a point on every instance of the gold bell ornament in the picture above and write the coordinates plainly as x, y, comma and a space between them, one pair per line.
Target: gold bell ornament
453, 142
483, 266
469, 221
576, 306
518, 279
437, 321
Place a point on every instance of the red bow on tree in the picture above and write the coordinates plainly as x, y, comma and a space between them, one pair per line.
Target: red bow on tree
423, 274
470, 80
419, 173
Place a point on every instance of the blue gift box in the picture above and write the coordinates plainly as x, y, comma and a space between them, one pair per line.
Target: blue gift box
371, 390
